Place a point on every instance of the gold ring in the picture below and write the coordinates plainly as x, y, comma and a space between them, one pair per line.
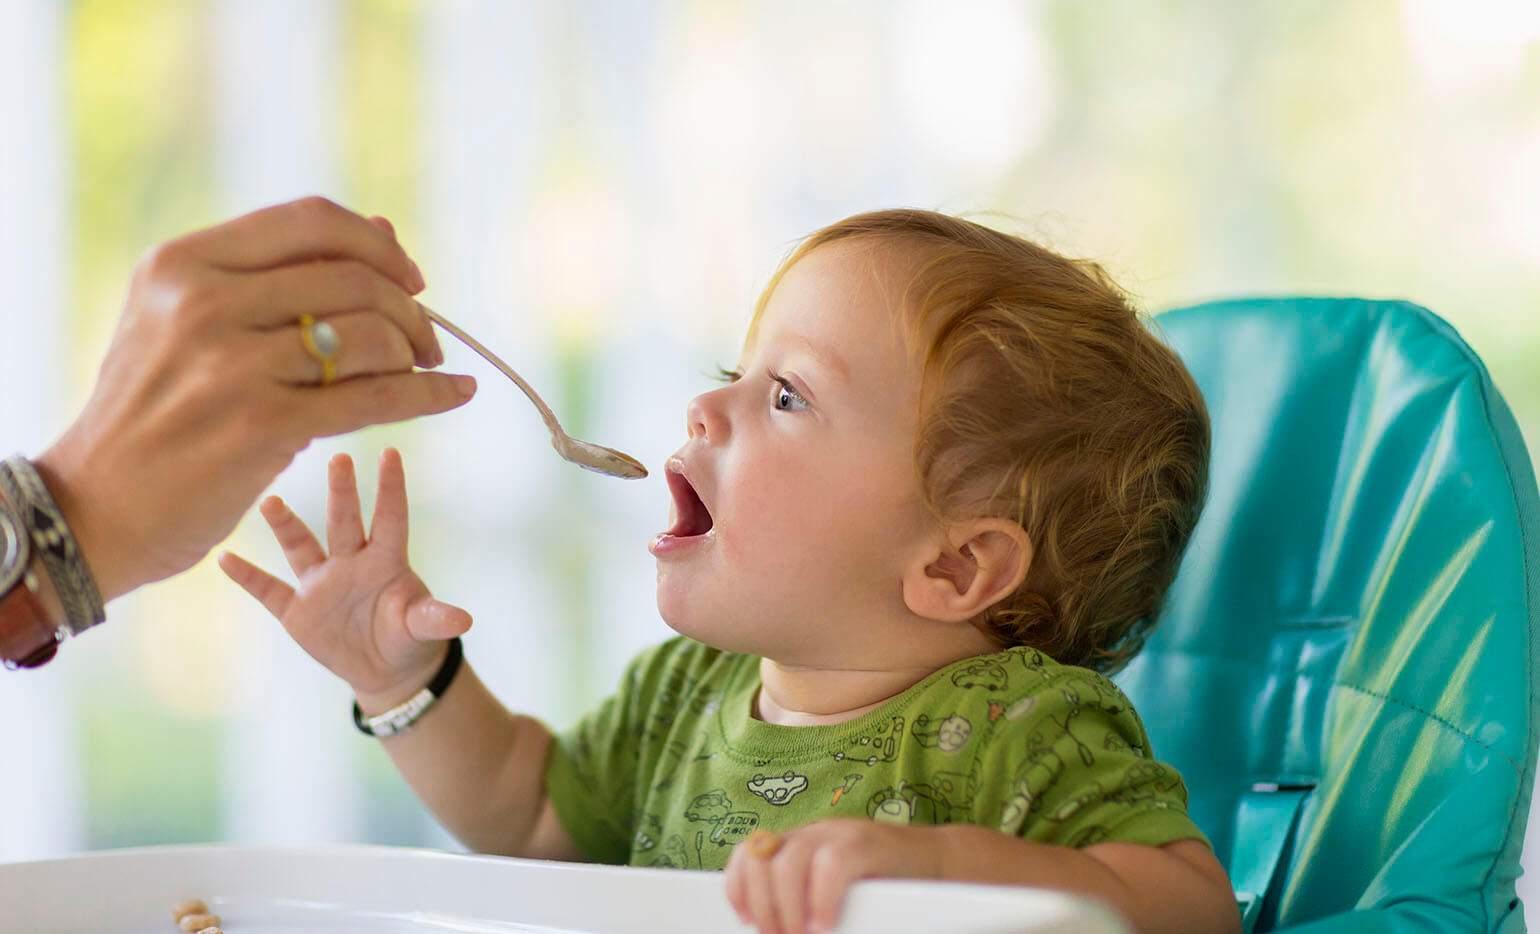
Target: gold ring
763, 843
321, 342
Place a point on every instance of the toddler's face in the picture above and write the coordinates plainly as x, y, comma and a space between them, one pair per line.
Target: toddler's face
808, 505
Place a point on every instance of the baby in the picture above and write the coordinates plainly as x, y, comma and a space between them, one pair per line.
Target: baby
942, 494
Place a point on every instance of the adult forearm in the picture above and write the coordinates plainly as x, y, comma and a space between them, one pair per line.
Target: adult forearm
478, 767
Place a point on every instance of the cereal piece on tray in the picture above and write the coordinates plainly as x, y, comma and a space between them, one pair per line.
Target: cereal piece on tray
193, 906
196, 924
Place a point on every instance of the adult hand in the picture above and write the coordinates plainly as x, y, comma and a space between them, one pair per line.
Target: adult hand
207, 391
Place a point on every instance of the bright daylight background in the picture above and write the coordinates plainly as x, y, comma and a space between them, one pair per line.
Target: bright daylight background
598, 190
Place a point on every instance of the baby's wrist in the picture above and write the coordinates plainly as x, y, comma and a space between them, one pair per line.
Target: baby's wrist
376, 701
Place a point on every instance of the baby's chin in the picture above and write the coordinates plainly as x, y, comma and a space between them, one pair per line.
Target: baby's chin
720, 629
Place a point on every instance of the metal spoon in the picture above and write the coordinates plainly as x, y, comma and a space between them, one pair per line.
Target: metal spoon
595, 457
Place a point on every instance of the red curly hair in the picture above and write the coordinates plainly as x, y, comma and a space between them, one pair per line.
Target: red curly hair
1046, 399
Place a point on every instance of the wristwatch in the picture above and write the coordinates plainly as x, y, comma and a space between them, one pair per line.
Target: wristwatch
28, 636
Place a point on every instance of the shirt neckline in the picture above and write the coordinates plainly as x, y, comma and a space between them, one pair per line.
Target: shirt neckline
753, 738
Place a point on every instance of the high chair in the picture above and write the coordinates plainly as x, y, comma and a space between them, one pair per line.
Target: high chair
1344, 670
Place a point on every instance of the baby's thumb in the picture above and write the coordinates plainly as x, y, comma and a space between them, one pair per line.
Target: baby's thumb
432, 620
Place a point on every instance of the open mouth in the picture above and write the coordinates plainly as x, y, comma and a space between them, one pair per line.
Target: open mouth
691, 517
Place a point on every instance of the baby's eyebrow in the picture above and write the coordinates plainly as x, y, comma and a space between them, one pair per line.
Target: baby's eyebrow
827, 358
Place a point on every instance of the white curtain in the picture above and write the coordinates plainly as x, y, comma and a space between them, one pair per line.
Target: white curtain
287, 776
40, 776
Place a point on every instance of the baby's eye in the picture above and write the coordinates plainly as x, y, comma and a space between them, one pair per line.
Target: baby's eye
785, 396
725, 375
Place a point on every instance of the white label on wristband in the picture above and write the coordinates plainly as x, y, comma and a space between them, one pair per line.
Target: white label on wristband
397, 719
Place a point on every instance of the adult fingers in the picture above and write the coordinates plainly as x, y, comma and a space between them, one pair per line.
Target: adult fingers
275, 298
367, 344
308, 228
344, 519
388, 528
269, 591
377, 400
299, 544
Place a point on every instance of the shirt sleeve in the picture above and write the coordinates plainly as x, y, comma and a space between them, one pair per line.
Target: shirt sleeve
1071, 766
593, 774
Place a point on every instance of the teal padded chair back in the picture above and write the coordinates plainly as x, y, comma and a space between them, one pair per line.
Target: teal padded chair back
1344, 670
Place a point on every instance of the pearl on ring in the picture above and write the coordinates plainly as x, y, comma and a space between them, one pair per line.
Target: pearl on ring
322, 344
326, 340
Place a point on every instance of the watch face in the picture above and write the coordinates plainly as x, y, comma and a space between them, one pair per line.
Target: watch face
14, 554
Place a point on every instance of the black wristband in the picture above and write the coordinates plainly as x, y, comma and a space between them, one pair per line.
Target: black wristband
397, 719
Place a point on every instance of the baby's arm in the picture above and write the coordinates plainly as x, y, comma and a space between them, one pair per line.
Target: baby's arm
481, 770
798, 882
360, 611
1179, 887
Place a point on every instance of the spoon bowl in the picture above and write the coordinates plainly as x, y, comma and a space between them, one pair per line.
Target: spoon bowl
586, 454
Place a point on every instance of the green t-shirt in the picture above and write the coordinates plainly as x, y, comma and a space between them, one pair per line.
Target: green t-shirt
672, 770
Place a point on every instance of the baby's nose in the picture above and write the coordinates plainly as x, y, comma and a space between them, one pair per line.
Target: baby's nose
704, 418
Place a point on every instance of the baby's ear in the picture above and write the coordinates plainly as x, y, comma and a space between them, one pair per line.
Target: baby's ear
982, 562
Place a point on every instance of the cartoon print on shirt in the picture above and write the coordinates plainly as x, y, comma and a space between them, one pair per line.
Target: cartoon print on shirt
1090, 793
1097, 693
982, 673
1021, 708
668, 769
778, 790
674, 855
996, 710
1142, 782
714, 807
917, 803
881, 745
1033, 660
950, 735
665, 706
1067, 725
710, 807
705, 704
957, 787
647, 835
1037, 773
843, 790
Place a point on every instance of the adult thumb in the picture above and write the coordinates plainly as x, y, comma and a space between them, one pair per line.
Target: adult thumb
384, 225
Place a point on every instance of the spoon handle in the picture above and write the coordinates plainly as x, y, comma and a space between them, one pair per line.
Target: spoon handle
495, 360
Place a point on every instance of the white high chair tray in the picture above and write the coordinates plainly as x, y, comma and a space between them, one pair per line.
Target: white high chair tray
386, 890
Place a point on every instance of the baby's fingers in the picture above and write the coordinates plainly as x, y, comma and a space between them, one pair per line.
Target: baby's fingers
388, 528
344, 519
294, 537
750, 888
832, 874
271, 592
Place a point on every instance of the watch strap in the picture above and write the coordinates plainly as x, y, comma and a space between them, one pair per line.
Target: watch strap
28, 638
29, 635
53, 541
399, 718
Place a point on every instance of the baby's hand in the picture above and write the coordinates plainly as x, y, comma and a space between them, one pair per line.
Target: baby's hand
360, 611
794, 882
